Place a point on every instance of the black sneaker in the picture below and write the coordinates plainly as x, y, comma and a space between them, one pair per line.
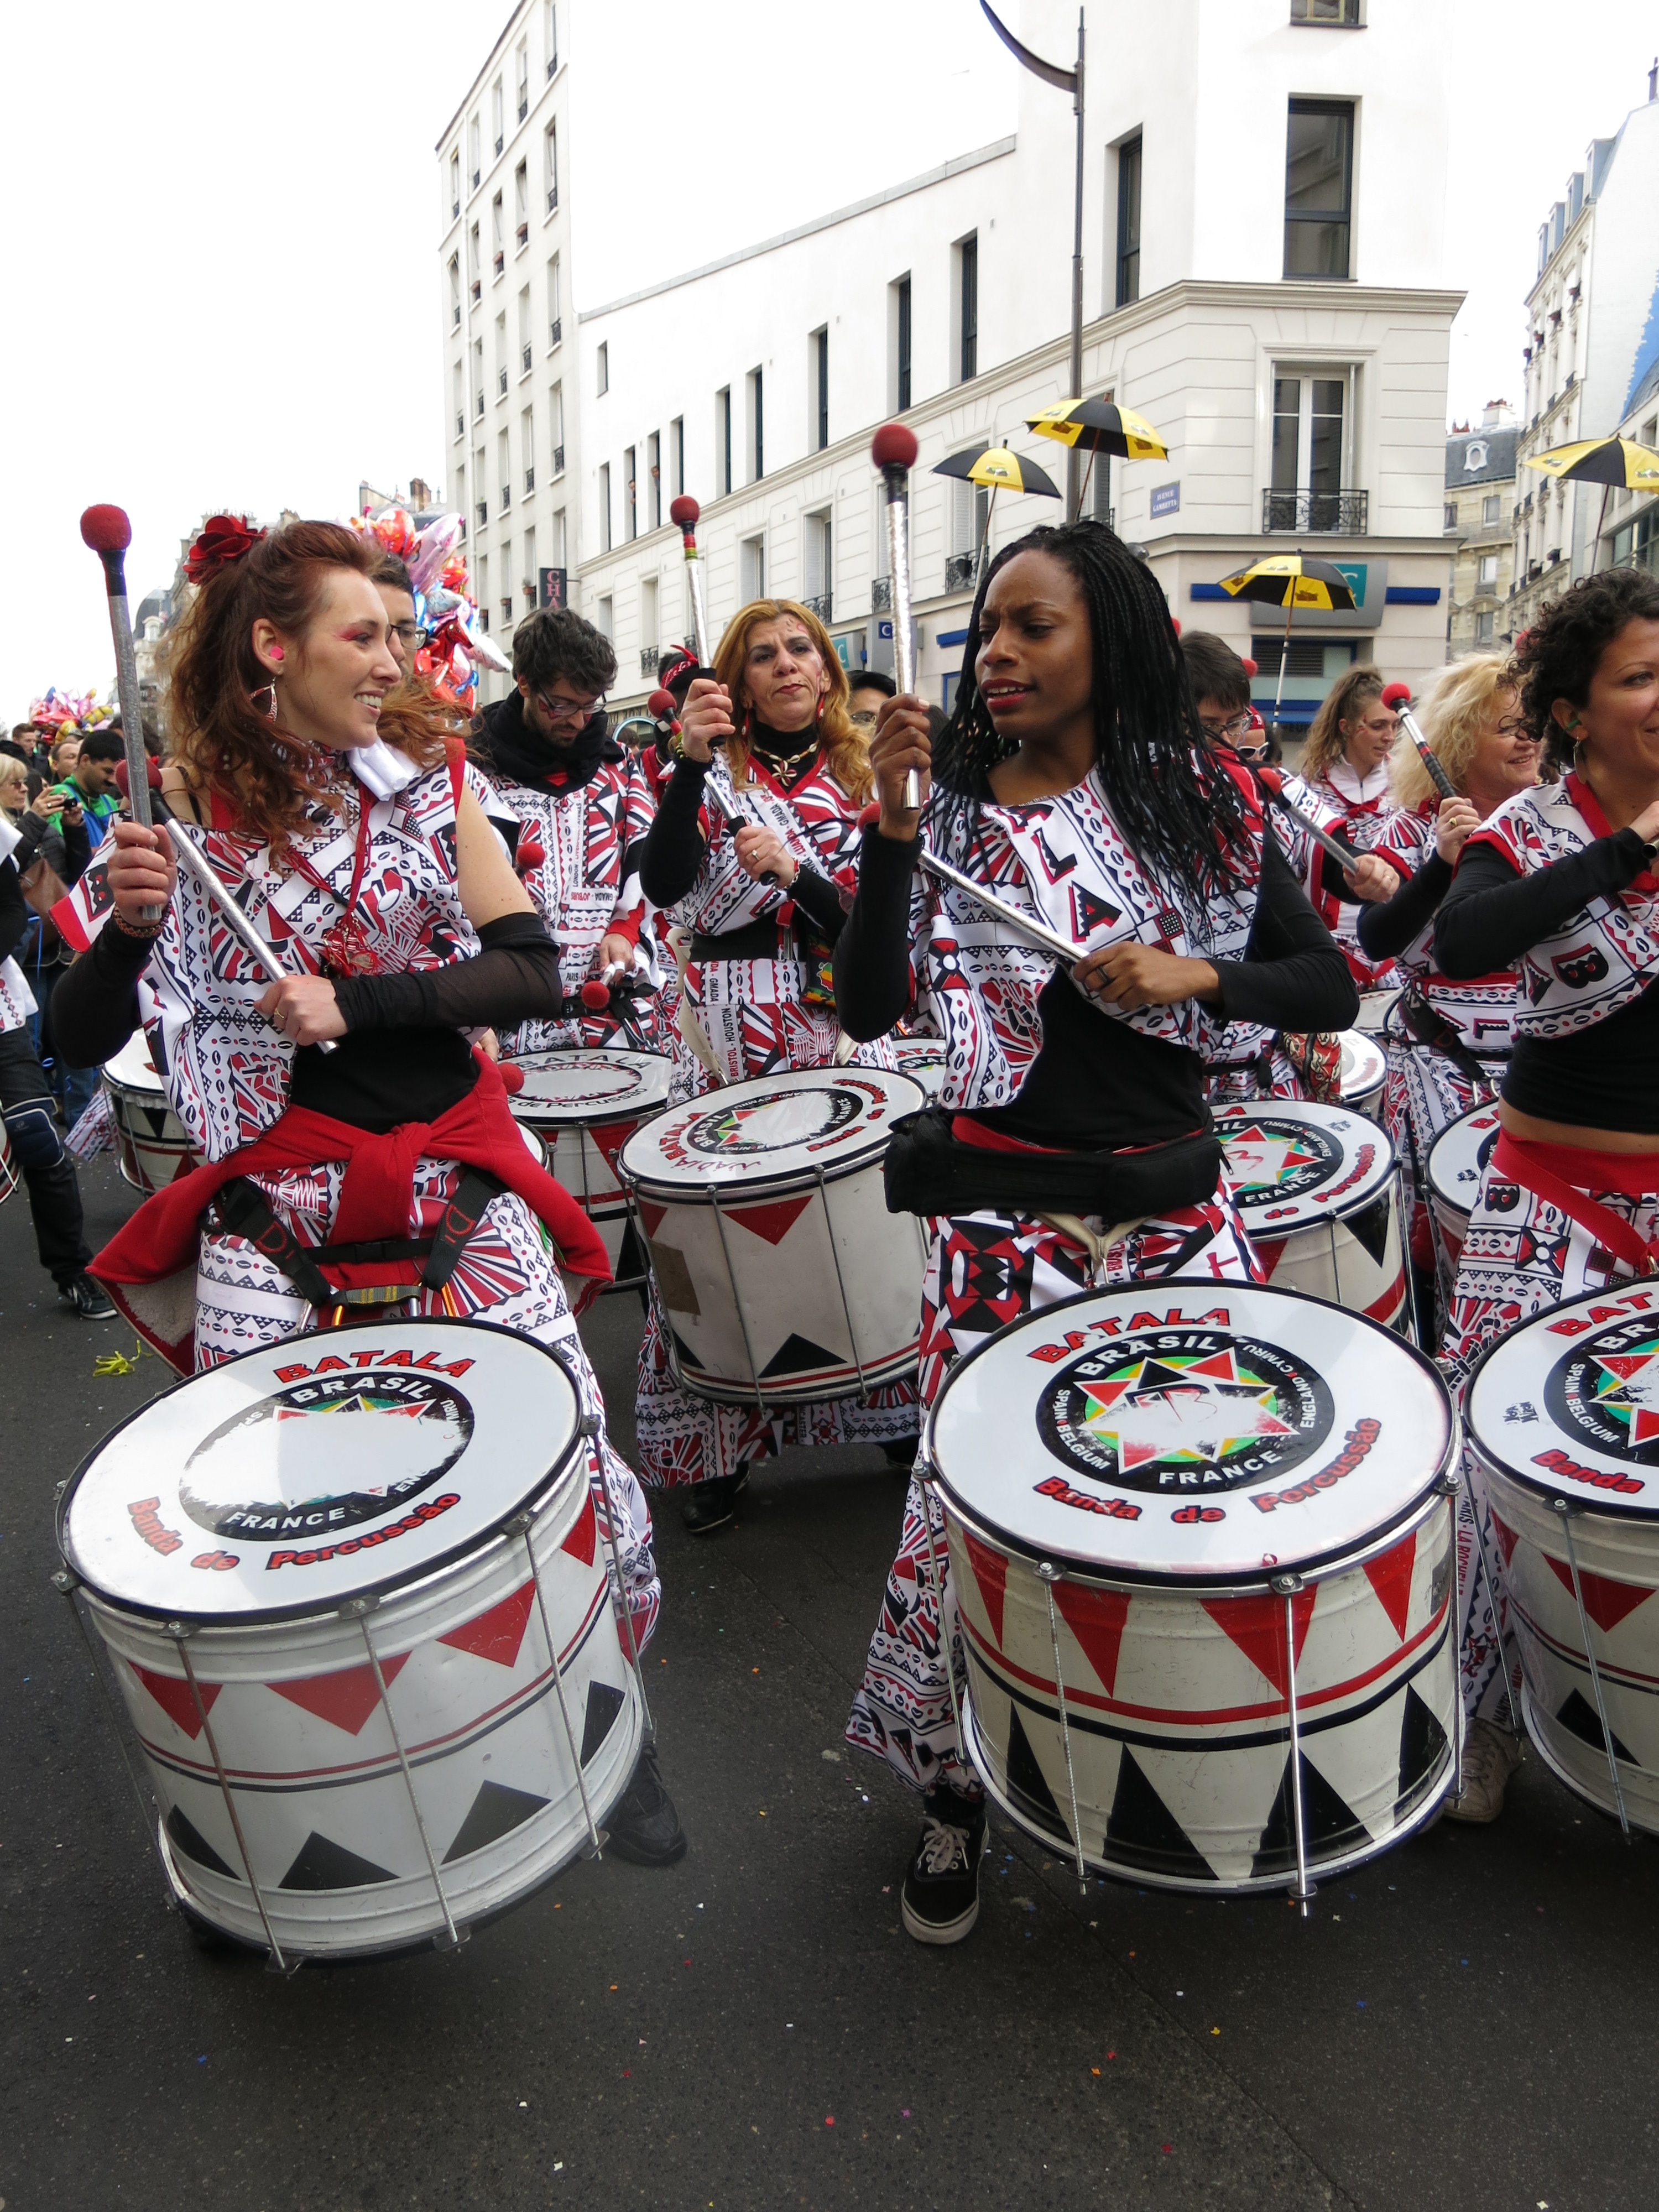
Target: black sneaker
940, 1902
645, 1829
87, 1300
712, 1504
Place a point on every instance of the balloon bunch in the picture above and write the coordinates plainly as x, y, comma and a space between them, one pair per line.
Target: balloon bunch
456, 643
69, 714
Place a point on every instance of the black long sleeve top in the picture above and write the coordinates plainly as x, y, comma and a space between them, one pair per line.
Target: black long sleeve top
14, 912
1387, 928
672, 852
1098, 1083
1606, 1077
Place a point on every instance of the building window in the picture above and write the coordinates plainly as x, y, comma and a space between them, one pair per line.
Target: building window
1488, 572
475, 143
525, 353
454, 184
558, 538
500, 357
630, 492
504, 468
498, 251
648, 625
552, 37
555, 426
602, 359
521, 207
654, 481
1491, 507
460, 400
604, 507
751, 569
1484, 625
1311, 414
523, 83
527, 581
527, 448
454, 292
817, 550
1330, 14
554, 313
1450, 514
607, 623
1128, 222
723, 440
818, 383
967, 308
498, 114
898, 306
475, 279
970, 507
755, 429
550, 165
1319, 188
478, 377
677, 455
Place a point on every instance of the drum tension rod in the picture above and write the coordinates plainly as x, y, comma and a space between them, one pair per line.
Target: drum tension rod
1049, 1575
1289, 1586
522, 1524
841, 1285
67, 1584
1451, 1486
1568, 1508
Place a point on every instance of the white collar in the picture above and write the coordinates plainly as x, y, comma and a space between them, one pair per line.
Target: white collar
1359, 789
380, 770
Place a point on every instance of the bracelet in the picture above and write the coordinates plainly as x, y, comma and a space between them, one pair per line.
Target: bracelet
141, 934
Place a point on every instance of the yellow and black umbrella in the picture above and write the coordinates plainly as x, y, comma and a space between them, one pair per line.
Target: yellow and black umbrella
1099, 426
1291, 580
1614, 463
997, 469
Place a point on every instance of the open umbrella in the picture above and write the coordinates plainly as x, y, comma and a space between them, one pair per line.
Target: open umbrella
1609, 462
1100, 426
1290, 581
998, 468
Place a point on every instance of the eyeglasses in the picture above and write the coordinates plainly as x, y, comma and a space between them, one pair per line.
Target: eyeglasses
1231, 732
409, 636
862, 718
569, 710
1252, 752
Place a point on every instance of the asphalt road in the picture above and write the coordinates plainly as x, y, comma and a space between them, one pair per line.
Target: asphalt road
1467, 2022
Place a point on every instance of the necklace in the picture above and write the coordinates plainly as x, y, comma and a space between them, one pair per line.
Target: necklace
783, 765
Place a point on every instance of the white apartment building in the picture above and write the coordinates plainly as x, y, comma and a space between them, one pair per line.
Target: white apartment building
1259, 284
1593, 341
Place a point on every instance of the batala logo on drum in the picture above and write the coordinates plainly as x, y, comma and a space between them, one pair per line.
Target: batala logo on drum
779, 1119
325, 1454
1179, 1410
1278, 1160
1606, 1390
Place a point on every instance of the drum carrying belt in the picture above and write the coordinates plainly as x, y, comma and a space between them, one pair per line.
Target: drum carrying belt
243, 1211
928, 1169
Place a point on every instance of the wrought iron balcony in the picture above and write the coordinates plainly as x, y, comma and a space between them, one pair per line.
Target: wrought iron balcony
552, 199
506, 494
818, 605
501, 379
650, 656
483, 511
558, 460
1341, 513
530, 480
478, 408
556, 331
963, 571
460, 421
524, 360
881, 595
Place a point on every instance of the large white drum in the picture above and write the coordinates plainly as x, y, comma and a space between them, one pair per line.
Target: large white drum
1316, 1188
1364, 1073
1563, 1415
1375, 1008
355, 1593
922, 1059
152, 1145
585, 1106
782, 1274
1238, 1503
1458, 1159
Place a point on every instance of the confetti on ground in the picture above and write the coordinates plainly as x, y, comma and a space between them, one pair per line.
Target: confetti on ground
613, 1986
523, 2105
1166, 2148
829, 2119
558, 2165
1111, 2054
1215, 2031
1093, 2070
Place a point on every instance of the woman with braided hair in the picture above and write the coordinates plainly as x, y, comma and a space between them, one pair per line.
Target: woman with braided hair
1562, 884
1074, 781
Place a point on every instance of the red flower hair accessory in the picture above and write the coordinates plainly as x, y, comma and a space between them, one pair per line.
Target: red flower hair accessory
222, 539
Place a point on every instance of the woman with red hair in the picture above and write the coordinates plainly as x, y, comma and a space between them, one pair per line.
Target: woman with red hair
385, 1176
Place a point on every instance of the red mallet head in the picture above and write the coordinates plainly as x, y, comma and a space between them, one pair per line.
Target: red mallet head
123, 781
1174, 625
1271, 776
661, 705
512, 1078
1248, 665
893, 447
683, 513
109, 533
1397, 695
530, 854
595, 996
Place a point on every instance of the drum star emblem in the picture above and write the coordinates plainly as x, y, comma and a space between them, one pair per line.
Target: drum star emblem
1263, 1159
1628, 1389
1183, 1411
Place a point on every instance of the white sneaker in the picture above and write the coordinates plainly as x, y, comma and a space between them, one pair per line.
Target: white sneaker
1491, 1755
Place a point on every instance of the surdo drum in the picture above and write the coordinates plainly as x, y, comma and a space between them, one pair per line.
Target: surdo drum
922, 1059
585, 1106
1563, 1417
1317, 1190
1456, 1159
1201, 1537
152, 1145
1364, 1071
781, 1274
1375, 1008
354, 1589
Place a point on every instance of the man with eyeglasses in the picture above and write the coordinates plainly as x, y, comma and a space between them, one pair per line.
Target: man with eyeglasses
582, 804
405, 636
867, 688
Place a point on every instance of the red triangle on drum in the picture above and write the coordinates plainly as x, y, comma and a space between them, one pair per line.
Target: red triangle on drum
1256, 1624
611, 1139
582, 1538
344, 1699
173, 1696
650, 1216
1390, 1577
1095, 1618
991, 1573
1507, 1538
498, 1633
1606, 1600
772, 1221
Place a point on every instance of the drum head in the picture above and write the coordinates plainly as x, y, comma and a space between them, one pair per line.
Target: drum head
132, 1068
1364, 1067
1568, 1406
298, 1476
1191, 1431
777, 1128
1375, 1008
591, 1086
1291, 1165
1458, 1156
922, 1057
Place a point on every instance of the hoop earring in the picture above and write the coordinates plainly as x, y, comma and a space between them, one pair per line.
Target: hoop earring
817, 715
270, 711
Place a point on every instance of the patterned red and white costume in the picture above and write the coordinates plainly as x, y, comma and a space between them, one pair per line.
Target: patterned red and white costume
756, 1018
1362, 810
1063, 861
228, 1072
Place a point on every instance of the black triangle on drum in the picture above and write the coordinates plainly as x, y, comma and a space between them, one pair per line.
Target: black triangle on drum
189, 1838
1143, 1831
1580, 1718
1330, 1824
798, 1355
604, 1704
324, 1865
1422, 1749
630, 1255
495, 1812
1026, 1783
1369, 1228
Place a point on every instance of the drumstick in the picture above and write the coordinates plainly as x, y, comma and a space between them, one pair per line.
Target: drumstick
218, 893
1273, 783
1398, 696
108, 532
1022, 926
893, 449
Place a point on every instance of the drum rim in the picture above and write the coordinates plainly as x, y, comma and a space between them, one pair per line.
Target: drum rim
1598, 1507
310, 1610
866, 1151
553, 1116
1267, 1109
1450, 1130
1317, 1565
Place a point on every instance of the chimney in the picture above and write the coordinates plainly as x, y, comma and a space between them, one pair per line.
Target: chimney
420, 494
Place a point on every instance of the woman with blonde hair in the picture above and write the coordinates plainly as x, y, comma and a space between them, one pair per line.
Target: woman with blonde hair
1456, 1036
1345, 762
763, 905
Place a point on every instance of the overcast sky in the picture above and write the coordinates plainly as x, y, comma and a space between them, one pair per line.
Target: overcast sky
220, 270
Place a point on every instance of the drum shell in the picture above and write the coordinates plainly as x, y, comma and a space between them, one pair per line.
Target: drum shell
1364, 1073
1618, 1569
776, 1261
581, 1150
152, 1147
296, 1719
1327, 1260
1177, 1710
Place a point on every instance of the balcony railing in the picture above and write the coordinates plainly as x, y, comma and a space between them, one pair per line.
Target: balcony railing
500, 143
818, 604
524, 360
477, 290
521, 235
500, 262
478, 405
524, 107
650, 655
963, 571
1341, 513
881, 595
556, 331
528, 481
501, 380
506, 494
558, 460
460, 421
482, 512
454, 209
455, 315
552, 199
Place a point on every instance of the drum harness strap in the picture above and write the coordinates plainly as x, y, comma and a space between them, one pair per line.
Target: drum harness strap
1533, 1166
1429, 1027
242, 1211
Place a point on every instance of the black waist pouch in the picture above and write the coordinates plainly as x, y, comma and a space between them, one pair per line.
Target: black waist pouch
928, 1170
